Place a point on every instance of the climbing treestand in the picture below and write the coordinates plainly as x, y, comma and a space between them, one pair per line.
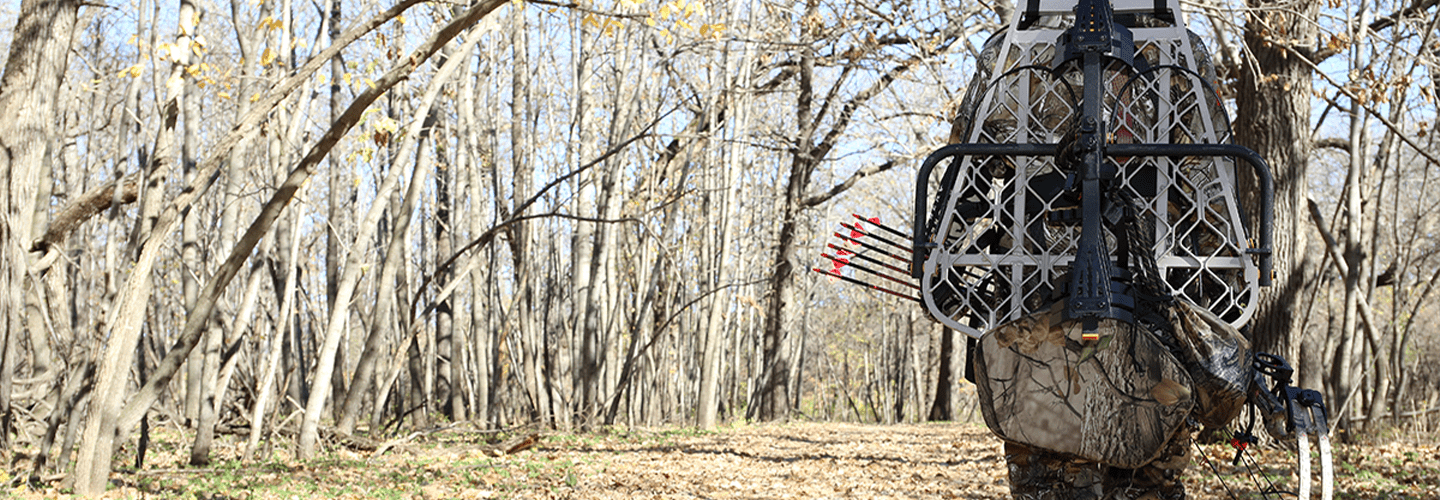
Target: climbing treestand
1085, 231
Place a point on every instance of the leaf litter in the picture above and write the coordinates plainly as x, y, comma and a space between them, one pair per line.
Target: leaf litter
798, 460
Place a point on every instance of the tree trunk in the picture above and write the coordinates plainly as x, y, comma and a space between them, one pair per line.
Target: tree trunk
340, 198
447, 370
1273, 118
209, 358
712, 347
526, 312
93, 468
941, 409
472, 157
309, 428
771, 401
29, 92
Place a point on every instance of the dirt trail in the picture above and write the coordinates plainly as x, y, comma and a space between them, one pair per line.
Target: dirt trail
804, 461
928, 461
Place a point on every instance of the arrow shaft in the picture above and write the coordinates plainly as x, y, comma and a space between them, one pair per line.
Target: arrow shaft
873, 235
869, 259
868, 270
886, 228
872, 247
854, 281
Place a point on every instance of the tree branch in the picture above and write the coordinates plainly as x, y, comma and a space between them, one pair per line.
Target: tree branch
1414, 9
83, 208
1333, 143
817, 199
1399, 132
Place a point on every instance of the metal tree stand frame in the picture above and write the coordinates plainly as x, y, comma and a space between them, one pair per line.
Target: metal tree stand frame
1086, 231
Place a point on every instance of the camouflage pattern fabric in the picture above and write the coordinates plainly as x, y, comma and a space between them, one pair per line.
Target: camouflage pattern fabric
1073, 433
1116, 400
1217, 357
1042, 475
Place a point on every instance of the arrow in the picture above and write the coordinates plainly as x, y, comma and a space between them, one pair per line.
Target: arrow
862, 232
876, 222
842, 262
864, 284
871, 247
839, 251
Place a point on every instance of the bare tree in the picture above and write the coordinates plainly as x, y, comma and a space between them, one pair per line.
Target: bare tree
34, 69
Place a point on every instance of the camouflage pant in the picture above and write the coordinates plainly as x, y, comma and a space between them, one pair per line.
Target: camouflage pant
1036, 474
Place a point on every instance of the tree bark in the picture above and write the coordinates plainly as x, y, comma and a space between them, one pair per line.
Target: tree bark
447, 366
1273, 118
941, 409
1356, 266
29, 95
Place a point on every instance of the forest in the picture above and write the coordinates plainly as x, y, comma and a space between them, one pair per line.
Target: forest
308, 226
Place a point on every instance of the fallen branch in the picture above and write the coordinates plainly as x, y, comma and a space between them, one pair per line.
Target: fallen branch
510, 446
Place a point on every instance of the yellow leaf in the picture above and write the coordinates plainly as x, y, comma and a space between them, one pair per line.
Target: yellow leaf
223, 95
591, 20
387, 124
400, 19
346, 77
681, 23
370, 82
132, 72
255, 97
268, 57
650, 21
665, 11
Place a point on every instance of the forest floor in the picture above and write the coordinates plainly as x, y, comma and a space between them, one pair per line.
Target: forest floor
783, 461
